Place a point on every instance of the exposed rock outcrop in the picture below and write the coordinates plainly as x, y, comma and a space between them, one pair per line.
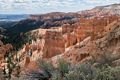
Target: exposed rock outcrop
76, 43
101, 11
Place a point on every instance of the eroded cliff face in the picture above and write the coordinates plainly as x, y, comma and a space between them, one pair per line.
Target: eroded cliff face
101, 50
84, 41
4, 50
89, 36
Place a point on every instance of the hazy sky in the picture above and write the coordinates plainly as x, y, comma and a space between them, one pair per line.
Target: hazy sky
45, 6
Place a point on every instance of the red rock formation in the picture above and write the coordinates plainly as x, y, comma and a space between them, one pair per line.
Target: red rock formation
4, 49
54, 44
75, 43
98, 49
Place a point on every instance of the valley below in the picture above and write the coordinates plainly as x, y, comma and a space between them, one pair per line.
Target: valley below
83, 45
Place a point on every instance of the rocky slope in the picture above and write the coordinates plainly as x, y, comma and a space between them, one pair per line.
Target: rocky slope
85, 41
4, 49
54, 19
75, 43
113, 9
102, 50
90, 36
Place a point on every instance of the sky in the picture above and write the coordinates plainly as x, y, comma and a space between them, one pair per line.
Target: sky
46, 6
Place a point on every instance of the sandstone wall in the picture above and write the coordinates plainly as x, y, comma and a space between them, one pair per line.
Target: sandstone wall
55, 41
54, 44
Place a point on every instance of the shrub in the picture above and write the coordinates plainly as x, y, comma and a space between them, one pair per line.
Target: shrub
2, 76
63, 67
56, 76
73, 75
45, 72
108, 73
84, 71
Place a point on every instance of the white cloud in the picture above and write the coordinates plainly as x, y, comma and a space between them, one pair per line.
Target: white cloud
100, 1
50, 5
